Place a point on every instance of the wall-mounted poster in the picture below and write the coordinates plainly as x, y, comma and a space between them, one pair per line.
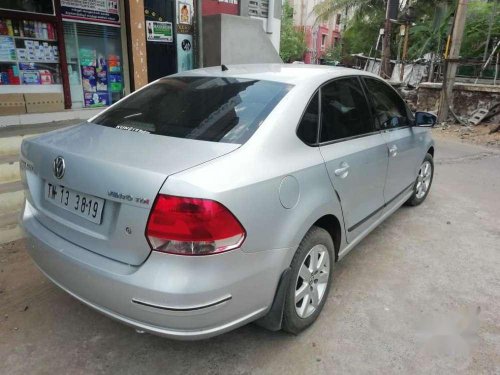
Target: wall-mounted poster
160, 32
185, 13
105, 12
184, 52
185, 16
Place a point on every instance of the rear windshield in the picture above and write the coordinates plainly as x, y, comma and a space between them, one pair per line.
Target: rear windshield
214, 109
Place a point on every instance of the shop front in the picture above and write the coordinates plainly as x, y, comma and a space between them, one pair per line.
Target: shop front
95, 52
74, 54
31, 73
61, 54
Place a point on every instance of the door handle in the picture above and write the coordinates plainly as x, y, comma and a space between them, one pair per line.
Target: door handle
393, 150
343, 171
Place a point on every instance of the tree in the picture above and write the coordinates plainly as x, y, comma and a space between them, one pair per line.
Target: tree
430, 32
428, 35
362, 29
476, 28
292, 45
333, 55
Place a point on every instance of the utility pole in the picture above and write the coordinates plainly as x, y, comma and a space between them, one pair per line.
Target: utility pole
385, 63
405, 51
451, 63
408, 17
391, 14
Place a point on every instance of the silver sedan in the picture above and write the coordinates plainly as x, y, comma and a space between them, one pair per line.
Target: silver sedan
216, 197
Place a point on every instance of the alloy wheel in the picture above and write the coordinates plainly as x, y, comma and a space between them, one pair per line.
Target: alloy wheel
424, 179
312, 281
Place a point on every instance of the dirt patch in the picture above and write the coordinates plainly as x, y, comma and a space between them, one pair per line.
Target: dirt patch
479, 134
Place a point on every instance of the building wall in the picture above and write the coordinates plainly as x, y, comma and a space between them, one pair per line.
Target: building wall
236, 40
241, 8
210, 7
466, 97
305, 19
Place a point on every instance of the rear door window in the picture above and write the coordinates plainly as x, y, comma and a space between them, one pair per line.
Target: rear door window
214, 109
344, 110
308, 127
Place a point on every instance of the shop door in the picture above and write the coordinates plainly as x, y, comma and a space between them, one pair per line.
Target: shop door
160, 37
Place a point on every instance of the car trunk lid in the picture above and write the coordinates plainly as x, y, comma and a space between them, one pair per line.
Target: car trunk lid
125, 169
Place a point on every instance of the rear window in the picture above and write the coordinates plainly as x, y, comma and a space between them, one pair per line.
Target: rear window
213, 109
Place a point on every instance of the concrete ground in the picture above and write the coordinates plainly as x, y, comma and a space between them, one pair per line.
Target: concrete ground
421, 294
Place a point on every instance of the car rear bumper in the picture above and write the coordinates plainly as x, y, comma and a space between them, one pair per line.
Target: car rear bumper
175, 296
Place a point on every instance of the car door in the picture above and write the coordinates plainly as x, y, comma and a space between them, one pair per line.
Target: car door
355, 153
393, 117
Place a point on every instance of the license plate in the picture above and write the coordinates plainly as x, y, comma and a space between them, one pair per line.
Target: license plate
83, 205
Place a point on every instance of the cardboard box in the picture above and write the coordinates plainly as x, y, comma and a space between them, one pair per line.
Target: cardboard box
12, 104
40, 103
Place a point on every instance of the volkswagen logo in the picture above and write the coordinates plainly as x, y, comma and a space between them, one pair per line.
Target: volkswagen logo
59, 167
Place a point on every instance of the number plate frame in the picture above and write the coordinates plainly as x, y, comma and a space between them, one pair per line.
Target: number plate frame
69, 200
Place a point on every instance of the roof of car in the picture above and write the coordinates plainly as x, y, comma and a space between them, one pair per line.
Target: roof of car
286, 73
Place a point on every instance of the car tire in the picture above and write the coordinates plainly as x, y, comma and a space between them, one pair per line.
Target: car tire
423, 182
313, 285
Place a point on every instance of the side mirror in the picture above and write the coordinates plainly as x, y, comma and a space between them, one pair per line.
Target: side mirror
425, 119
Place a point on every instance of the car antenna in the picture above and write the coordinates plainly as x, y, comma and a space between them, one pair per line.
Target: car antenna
224, 68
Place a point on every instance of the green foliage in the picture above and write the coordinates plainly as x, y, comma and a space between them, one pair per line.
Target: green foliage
292, 45
476, 28
333, 55
362, 31
428, 35
431, 30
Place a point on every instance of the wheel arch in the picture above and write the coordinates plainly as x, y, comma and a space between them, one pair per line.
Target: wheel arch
273, 320
431, 151
331, 224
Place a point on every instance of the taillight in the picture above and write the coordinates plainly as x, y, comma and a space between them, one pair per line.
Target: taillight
192, 226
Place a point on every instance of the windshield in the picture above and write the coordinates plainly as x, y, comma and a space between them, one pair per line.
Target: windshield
214, 109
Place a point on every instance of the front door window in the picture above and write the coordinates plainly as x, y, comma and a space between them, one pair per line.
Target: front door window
390, 110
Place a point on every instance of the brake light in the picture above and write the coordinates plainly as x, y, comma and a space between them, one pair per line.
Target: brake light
192, 226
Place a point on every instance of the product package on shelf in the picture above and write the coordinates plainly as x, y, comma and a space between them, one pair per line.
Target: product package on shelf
88, 57
102, 74
102, 79
9, 75
45, 77
114, 76
115, 82
31, 77
7, 49
96, 99
27, 29
38, 51
89, 81
114, 64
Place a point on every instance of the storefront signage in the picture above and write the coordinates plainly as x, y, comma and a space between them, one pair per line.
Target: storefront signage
160, 32
105, 12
